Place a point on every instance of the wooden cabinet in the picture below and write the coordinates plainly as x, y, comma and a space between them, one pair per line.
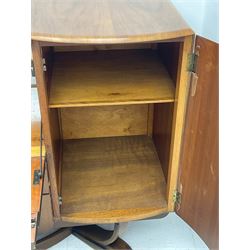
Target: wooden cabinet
128, 98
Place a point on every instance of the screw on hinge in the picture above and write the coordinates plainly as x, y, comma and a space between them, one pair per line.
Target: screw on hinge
60, 200
177, 199
44, 64
33, 223
32, 68
192, 62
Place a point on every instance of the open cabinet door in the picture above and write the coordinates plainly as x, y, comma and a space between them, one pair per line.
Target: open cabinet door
37, 164
198, 178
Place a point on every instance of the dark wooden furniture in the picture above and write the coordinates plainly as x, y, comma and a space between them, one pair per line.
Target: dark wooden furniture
129, 104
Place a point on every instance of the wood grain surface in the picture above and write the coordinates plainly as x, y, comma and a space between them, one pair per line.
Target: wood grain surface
162, 131
106, 121
46, 222
106, 21
51, 137
111, 180
109, 77
199, 174
182, 88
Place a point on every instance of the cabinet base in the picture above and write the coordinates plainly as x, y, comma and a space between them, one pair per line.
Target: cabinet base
92, 235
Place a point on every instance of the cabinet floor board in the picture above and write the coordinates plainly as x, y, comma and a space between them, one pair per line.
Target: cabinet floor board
111, 179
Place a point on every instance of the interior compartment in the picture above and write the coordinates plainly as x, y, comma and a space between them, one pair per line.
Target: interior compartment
90, 78
112, 110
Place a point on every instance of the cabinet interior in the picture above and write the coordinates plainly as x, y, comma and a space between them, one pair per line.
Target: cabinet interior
111, 110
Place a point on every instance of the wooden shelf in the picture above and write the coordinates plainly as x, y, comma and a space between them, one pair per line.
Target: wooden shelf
113, 179
109, 78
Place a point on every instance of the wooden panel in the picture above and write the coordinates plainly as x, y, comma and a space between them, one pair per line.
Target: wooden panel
109, 21
56, 137
46, 222
46, 185
50, 140
105, 121
150, 119
182, 88
163, 118
102, 47
199, 162
109, 77
36, 190
169, 53
111, 180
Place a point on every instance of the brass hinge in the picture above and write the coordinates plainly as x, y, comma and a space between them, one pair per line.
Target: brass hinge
192, 68
177, 199
192, 62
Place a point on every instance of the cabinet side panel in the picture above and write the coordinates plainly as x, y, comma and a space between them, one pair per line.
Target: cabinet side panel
169, 54
162, 127
55, 135
182, 87
50, 138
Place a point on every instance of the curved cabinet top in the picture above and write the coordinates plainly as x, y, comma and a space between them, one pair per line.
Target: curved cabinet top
106, 21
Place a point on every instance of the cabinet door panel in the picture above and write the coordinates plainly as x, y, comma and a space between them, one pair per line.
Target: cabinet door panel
198, 178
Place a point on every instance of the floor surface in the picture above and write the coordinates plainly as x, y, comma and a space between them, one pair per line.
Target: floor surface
170, 233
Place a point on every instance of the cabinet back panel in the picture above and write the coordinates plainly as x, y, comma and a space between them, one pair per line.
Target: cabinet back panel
106, 121
103, 47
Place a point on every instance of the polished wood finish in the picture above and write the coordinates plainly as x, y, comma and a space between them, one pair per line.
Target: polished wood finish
93, 47
46, 221
50, 138
199, 162
109, 77
99, 238
132, 52
46, 182
182, 87
163, 118
107, 180
53, 238
163, 113
91, 122
106, 22
169, 53
99, 235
